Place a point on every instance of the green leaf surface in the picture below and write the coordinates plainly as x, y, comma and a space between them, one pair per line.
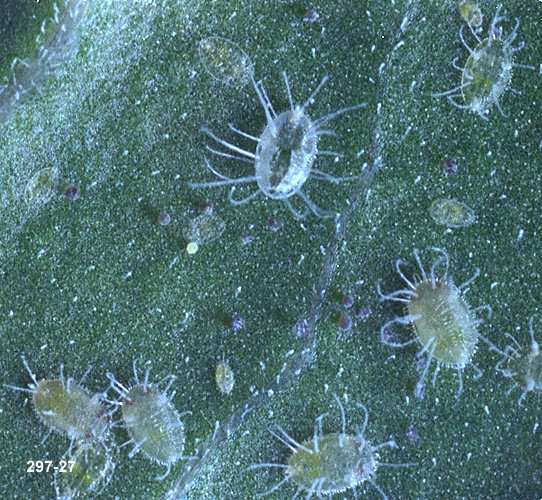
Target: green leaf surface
119, 108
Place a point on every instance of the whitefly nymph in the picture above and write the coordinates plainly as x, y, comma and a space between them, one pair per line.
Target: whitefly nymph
522, 364
325, 464
444, 324
488, 70
66, 407
285, 153
154, 425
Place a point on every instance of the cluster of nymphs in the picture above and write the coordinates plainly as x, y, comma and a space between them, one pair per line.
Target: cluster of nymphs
66, 407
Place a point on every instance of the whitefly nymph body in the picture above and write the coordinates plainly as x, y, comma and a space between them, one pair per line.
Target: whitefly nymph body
522, 364
325, 464
151, 419
285, 153
66, 407
487, 72
444, 324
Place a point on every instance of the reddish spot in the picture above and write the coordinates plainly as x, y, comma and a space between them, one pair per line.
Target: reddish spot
412, 435
420, 361
348, 301
345, 322
449, 165
72, 193
206, 208
274, 224
388, 335
311, 16
164, 219
494, 32
362, 312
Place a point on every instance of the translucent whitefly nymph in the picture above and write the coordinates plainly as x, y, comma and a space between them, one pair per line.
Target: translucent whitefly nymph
451, 213
285, 153
224, 377
42, 186
152, 421
326, 464
226, 61
523, 364
443, 322
471, 13
487, 72
89, 472
67, 408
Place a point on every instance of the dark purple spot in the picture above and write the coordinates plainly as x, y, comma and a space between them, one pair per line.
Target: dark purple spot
164, 219
72, 192
237, 323
311, 16
274, 224
348, 301
345, 322
412, 435
420, 361
362, 312
206, 208
449, 165
388, 335
246, 239
301, 328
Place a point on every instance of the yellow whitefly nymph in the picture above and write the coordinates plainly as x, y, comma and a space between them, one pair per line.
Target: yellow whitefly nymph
487, 72
444, 324
325, 464
68, 408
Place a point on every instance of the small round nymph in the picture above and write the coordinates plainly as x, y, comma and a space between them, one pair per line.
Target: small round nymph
285, 153
152, 421
325, 464
444, 324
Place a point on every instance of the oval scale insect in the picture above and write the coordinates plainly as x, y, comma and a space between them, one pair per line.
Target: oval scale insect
443, 322
42, 186
226, 61
451, 213
330, 463
487, 72
224, 378
471, 13
67, 408
523, 364
152, 421
285, 153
